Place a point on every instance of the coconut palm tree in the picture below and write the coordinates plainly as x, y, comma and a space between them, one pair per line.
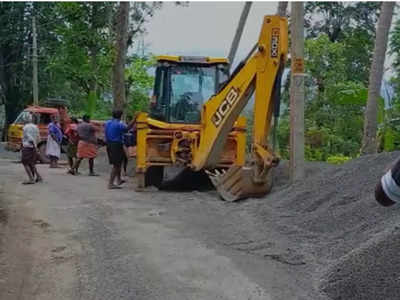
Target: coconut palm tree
369, 141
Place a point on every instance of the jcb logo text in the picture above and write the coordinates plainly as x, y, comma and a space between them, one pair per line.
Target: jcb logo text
225, 107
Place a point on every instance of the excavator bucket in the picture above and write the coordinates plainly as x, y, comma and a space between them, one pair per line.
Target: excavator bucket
236, 183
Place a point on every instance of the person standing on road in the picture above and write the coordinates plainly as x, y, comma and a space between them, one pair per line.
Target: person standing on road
30, 139
114, 131
54, 139
87, 145
73, 138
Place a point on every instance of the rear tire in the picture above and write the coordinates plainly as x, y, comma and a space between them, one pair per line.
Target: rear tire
42, 157
154, 176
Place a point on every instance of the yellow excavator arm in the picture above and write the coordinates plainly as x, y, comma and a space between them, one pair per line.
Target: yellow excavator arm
259, 73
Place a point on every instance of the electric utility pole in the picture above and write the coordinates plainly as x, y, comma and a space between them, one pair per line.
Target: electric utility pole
297, 92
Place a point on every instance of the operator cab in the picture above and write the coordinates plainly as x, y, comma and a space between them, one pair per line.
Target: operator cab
183, 84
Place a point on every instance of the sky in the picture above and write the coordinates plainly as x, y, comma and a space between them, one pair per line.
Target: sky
204, 28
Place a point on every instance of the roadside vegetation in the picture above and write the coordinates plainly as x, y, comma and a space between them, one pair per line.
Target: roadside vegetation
339, 47
76, 53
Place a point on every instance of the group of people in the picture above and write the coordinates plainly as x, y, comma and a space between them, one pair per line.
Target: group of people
82, 144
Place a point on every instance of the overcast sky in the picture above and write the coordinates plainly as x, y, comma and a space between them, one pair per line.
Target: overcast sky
204, 28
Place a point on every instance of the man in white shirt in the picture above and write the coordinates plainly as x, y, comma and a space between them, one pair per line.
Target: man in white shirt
30, 139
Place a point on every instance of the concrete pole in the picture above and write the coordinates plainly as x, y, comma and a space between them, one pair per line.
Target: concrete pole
239, 31
35, 83
282, 7
297, 93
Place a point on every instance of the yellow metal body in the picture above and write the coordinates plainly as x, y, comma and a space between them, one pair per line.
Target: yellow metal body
14, 137
258, 75
164, 144
219, 140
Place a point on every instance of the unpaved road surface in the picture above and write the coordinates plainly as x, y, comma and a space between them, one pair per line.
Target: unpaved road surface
71, 238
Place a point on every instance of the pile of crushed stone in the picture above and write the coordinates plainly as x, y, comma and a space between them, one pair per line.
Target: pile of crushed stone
334, 224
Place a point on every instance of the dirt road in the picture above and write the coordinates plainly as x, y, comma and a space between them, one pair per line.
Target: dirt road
71, 238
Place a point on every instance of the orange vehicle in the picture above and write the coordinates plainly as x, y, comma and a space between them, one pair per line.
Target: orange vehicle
14, 136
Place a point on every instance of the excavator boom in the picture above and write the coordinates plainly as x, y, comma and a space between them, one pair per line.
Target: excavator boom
260, 74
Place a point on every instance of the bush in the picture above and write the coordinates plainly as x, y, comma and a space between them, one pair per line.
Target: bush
337, 159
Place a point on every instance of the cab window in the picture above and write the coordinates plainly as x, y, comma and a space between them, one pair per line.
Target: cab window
23, 117
191, 86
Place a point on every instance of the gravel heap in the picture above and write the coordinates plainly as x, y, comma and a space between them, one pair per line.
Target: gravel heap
334, 223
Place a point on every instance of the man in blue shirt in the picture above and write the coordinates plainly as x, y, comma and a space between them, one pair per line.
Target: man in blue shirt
114, 131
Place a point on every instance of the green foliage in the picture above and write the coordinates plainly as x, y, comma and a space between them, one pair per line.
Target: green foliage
140, 83
102, 110
389, 134
336, 93
338, 19
83, 57
325, 61
76, 51
334, 104
15, 62
358, 49
350, 23
394, 44
313, 154
283, 134
394, 50
91, 103
389, 139
338, 159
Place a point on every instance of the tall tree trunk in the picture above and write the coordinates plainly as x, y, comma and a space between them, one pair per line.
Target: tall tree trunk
282, 7
118, 81
369, 143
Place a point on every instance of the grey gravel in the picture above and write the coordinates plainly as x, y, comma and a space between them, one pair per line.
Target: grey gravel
334, 223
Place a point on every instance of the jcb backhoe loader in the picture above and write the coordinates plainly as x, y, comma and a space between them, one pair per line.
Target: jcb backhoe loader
194, 118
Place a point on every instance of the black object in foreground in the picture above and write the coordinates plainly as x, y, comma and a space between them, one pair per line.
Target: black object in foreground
381, 197
387, 191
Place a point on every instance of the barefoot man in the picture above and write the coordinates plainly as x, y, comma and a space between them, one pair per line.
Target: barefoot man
87, 145
114, 130
30, 140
